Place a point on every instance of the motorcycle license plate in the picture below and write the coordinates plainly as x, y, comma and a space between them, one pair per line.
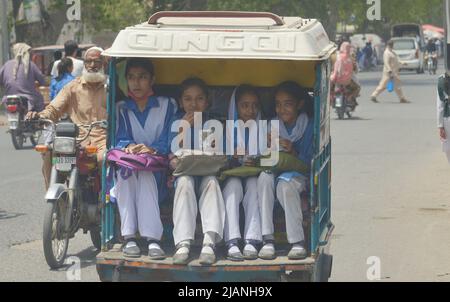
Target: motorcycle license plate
13, 120
64, 163
339, 102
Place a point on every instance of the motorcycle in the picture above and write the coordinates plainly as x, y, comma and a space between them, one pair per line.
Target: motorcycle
431, 62
19, 128
73, 196
341, 102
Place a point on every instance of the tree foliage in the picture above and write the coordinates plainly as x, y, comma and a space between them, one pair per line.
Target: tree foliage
117, 14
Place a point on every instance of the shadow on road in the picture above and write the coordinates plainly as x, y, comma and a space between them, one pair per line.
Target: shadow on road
353, 118
5, 215
86, 256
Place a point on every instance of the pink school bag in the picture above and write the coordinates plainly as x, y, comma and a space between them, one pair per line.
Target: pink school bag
137, 162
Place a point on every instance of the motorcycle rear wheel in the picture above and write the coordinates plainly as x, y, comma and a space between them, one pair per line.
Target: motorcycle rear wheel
55, 239
17, 139
341, 113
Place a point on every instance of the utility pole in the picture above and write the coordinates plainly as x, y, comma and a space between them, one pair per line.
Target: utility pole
4, 37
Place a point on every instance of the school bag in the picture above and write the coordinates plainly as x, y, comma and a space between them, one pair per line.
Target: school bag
198, 163
137, 162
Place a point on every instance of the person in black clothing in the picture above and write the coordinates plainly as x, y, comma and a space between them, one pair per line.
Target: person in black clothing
57, 55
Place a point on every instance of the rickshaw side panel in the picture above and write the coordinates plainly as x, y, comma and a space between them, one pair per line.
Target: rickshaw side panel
321, 167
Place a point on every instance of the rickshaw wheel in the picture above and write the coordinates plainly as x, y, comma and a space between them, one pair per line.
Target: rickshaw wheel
55, 239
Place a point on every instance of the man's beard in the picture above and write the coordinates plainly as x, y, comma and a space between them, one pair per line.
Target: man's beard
94, 77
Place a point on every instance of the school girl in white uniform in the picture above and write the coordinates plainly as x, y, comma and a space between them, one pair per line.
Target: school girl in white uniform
244, 105
143, 123
193, 194
294, 109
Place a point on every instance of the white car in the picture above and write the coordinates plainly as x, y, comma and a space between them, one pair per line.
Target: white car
410, 55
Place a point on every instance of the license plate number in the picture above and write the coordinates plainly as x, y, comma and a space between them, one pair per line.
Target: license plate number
64, 163
13, 120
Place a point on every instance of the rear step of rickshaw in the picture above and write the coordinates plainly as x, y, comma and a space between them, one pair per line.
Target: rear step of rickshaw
113, 266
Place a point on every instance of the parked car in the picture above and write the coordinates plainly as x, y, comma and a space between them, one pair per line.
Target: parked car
410, 54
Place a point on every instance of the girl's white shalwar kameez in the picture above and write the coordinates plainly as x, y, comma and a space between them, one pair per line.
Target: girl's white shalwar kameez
137, 194
253, 192
207, 191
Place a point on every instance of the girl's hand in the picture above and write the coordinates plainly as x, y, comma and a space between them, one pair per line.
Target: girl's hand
173, 163
130, 148
134, 149
442, 134
287, 145
250, 162
146, 149
189, 117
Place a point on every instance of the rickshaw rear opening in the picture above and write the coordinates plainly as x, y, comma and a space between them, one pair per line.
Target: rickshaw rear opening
259, 49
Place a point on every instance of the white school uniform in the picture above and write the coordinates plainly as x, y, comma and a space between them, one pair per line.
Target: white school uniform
210, 204
206, 190
137, 196
252, 192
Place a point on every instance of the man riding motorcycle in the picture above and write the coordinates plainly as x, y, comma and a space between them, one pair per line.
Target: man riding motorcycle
84, 100
19, 76
430, 50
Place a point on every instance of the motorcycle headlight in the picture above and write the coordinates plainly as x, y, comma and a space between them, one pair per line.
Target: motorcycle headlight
64, 145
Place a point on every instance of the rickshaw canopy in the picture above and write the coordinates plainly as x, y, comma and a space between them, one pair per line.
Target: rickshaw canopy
227, 48
224, 35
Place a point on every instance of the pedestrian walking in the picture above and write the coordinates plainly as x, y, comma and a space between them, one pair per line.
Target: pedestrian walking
390, 73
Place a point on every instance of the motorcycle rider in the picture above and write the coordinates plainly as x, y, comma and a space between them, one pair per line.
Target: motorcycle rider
19, 76
368, 53
84, 100
430, 49
344, 71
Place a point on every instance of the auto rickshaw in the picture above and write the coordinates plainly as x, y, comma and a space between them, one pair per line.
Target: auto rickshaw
227, 49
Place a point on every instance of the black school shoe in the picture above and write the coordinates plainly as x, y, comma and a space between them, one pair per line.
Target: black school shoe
156, 253
131, 249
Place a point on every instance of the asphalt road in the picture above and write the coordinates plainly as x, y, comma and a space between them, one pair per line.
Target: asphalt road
389, 192
390, 187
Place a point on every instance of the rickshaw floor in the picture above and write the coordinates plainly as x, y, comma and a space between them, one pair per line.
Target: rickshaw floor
116, 254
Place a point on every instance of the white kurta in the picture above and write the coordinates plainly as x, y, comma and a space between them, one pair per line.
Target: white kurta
210, 204
137, 196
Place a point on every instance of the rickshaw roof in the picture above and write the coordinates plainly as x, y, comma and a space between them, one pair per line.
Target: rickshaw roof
224, 35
